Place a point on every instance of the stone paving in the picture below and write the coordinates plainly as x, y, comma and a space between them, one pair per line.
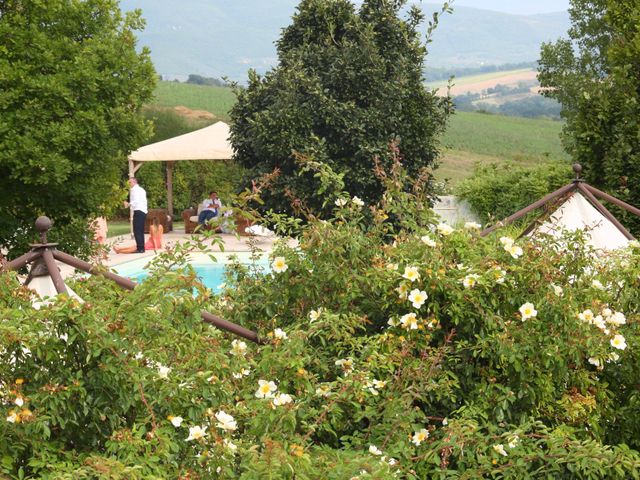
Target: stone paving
232, 244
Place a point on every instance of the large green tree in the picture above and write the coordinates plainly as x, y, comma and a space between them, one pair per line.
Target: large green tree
595, 74
349, 82
71, 89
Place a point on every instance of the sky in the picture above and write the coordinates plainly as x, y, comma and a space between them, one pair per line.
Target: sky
523, 7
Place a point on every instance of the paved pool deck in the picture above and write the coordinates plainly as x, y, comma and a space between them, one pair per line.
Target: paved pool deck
233, 244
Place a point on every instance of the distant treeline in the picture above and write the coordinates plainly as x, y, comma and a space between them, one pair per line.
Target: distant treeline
433, 74
530, 107
200, 80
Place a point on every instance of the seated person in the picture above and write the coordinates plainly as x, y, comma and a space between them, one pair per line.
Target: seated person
210, 208
154, 242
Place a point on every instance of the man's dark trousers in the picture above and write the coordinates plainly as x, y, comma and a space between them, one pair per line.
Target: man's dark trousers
139, 218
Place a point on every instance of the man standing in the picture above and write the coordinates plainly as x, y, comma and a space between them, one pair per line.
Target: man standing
138, 203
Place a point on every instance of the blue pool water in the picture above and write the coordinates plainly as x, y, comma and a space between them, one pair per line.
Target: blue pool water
210, 274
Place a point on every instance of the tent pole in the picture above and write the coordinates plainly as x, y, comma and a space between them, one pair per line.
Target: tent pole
54, 273
603, 210
614, 200
561, 191
170, 188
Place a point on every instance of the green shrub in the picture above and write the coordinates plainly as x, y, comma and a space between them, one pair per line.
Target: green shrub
473, 386
496, 191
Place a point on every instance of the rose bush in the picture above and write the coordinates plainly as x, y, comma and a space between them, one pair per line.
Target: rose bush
394, 349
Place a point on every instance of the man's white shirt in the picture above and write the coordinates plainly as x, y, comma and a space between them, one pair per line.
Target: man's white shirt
209, 204
138, 198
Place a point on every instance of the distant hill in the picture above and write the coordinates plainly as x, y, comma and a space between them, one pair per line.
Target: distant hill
227, 37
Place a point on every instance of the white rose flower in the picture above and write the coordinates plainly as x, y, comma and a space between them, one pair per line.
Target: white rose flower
279, 265
619, 342
445, 230
428, 241
411, 274
280, 334
500, 449
176, 421
282, 399
357, 202
528, 311
226, 421
265, 389
238, 347
196, 433
409, 321
470, 280
374, 450
420, 436
417, 297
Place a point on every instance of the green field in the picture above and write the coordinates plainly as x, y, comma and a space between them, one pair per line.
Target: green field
470, 138
478, 137
483, 77
217, 100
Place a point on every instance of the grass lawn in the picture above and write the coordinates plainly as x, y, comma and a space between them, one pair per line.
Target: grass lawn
217, 100
477, 137
121, 227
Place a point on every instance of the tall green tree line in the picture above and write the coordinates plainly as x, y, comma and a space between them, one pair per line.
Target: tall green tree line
71, 88
349, 81
595, 75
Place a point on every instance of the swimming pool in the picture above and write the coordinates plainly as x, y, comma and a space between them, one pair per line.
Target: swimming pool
210, 273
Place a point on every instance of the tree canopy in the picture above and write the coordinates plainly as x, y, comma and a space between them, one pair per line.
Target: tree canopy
71, 87
349, 82
595, 74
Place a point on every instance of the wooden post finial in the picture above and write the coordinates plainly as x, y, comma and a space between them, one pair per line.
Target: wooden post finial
43, 225
577, 168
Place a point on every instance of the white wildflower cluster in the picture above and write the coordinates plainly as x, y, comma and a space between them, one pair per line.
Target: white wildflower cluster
428, 241
509, 246
342, 202
269, 389
607, 321
238, 348
445, 230
315, 315
346, 364
225, 422
514, 441
374, 386
470, 280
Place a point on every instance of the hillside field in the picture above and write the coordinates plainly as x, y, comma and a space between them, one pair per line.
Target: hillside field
470, 138
481, 82
217, 100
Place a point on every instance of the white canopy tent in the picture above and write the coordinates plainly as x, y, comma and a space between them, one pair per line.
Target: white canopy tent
577, 213
209, 143
580, 208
